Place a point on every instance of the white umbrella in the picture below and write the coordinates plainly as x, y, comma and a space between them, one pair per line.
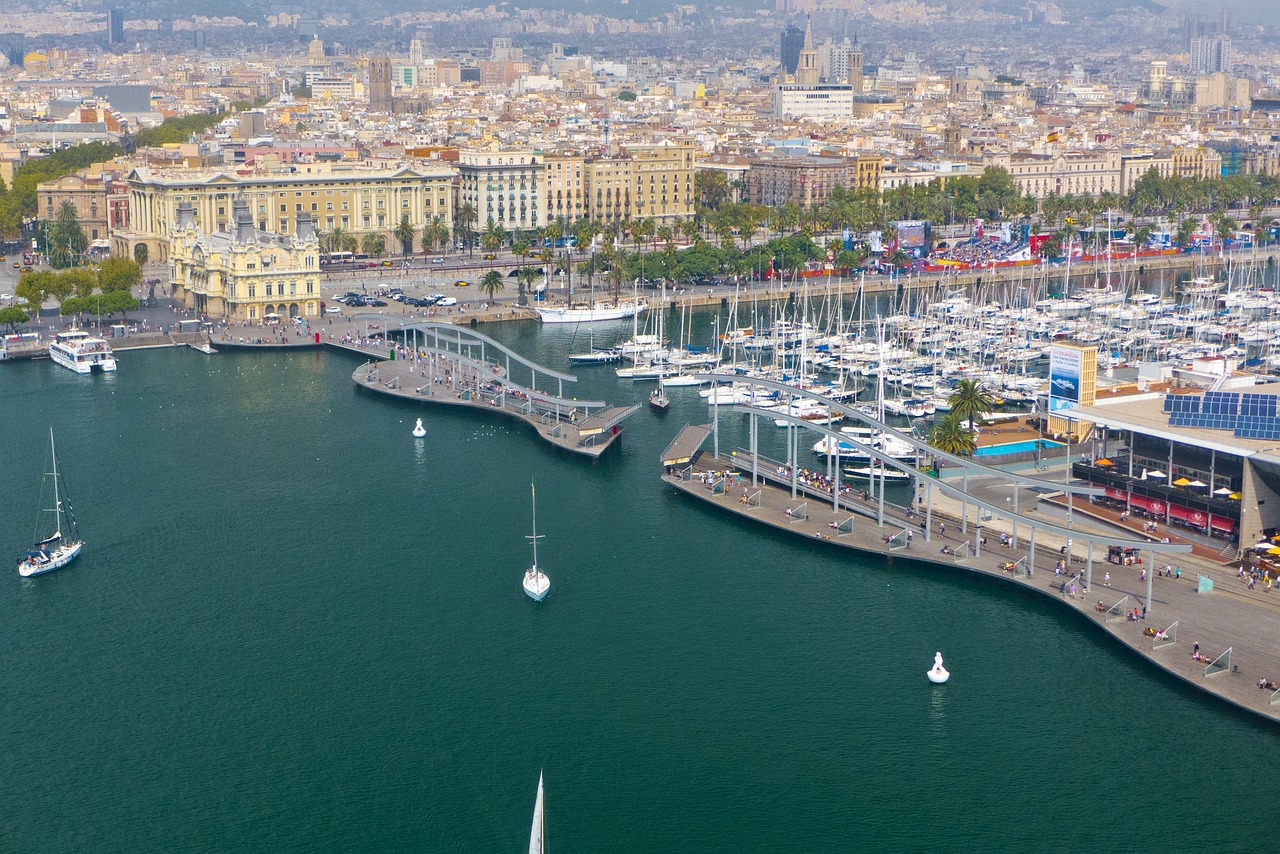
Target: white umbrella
1156, 473
1197, 483
1264, 545
1222, 491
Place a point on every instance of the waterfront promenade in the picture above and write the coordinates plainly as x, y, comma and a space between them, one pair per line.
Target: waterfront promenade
1212, 622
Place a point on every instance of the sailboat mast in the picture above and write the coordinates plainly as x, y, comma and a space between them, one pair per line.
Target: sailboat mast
57, 500
534, 494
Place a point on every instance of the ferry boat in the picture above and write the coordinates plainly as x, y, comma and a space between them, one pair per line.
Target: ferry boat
81, 352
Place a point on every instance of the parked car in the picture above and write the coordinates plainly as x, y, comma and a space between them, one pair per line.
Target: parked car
462, 283
333, 309
490, 256
436, 297
446, 301
375, 303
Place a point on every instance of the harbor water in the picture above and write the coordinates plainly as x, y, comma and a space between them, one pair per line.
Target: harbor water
294, 627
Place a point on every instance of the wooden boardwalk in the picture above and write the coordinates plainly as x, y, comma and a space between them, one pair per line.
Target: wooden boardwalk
1218, 620
555, 420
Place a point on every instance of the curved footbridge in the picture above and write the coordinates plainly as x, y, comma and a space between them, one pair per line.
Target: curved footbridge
948, 526
450, 365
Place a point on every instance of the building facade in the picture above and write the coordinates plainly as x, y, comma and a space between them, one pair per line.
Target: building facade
808, 181
502, 186
244, 273
100, 199
828, 101
355, 198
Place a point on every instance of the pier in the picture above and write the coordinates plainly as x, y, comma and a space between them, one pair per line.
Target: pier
447, 365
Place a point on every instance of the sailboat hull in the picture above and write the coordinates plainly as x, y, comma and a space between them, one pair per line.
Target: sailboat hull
57, 559
537, 587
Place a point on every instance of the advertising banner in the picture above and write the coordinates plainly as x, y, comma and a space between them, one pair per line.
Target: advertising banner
1065, 365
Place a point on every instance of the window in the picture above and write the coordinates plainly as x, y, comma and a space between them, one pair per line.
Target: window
253, 292
269, 289
293, 289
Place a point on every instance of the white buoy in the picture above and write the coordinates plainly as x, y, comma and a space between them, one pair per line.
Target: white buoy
418, 430
938, 674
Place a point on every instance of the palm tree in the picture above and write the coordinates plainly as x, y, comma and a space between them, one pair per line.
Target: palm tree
969, 399
521, 247
373, 244
434, 234
492, 283
950, 436
494, 234
463, 221
525, 276
404, 233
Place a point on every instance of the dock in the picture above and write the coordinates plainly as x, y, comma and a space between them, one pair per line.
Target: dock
445, 365
1231, 630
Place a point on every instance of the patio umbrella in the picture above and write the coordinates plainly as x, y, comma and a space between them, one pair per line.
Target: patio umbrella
1104, 462
1156, 473
1274, 551
1235, 496
1222, 490
1263, 546
1182, 481
1197, 484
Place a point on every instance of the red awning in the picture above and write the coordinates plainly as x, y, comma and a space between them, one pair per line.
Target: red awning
1194, 517
1222, 523
1118, 494
1151, 505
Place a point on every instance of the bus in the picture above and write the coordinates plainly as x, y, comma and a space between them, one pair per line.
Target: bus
337, 258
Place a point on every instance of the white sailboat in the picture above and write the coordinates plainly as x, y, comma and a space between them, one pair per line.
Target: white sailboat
536, 583
537, 836
52, 551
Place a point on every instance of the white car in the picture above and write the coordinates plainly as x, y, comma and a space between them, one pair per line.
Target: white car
437, 260
332, 309
447, 301
5, 297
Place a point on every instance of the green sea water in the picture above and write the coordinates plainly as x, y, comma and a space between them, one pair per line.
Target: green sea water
296, 628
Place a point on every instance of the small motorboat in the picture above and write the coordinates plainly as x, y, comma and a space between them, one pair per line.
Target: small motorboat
418, 430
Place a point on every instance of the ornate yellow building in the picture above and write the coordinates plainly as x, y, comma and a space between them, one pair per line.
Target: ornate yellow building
358, 199
244, 273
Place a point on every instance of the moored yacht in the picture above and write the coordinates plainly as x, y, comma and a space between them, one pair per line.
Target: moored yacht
81, 352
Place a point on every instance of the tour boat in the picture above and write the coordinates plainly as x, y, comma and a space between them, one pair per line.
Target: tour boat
537, 836
52, 550
874, 473
81, 352
591, 314
536, 584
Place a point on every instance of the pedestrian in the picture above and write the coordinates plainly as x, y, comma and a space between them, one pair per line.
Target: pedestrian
1106, 579
942, 527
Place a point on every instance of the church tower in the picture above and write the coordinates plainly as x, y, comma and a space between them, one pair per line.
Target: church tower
807, 72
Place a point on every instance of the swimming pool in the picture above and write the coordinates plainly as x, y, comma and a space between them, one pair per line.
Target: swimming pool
1015, 447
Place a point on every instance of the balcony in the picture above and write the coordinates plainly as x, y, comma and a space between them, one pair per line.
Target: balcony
1193, 498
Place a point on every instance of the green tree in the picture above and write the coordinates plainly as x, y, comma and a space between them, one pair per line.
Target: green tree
404, 233
176, 129
67, 240
494, 234
463, 223
117, 301
492, 283
140, 253
434, 234
950, 436
373, 243
12, 315
119, 274
525, 276
969, 399
78, 281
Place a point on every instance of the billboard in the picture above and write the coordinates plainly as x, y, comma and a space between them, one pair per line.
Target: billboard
1065, 364
913, 237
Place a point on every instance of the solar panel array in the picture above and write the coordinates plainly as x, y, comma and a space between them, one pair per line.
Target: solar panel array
1248, 416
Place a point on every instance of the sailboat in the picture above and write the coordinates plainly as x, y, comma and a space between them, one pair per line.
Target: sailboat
52, 550
536, 584
658, 401
537, 841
